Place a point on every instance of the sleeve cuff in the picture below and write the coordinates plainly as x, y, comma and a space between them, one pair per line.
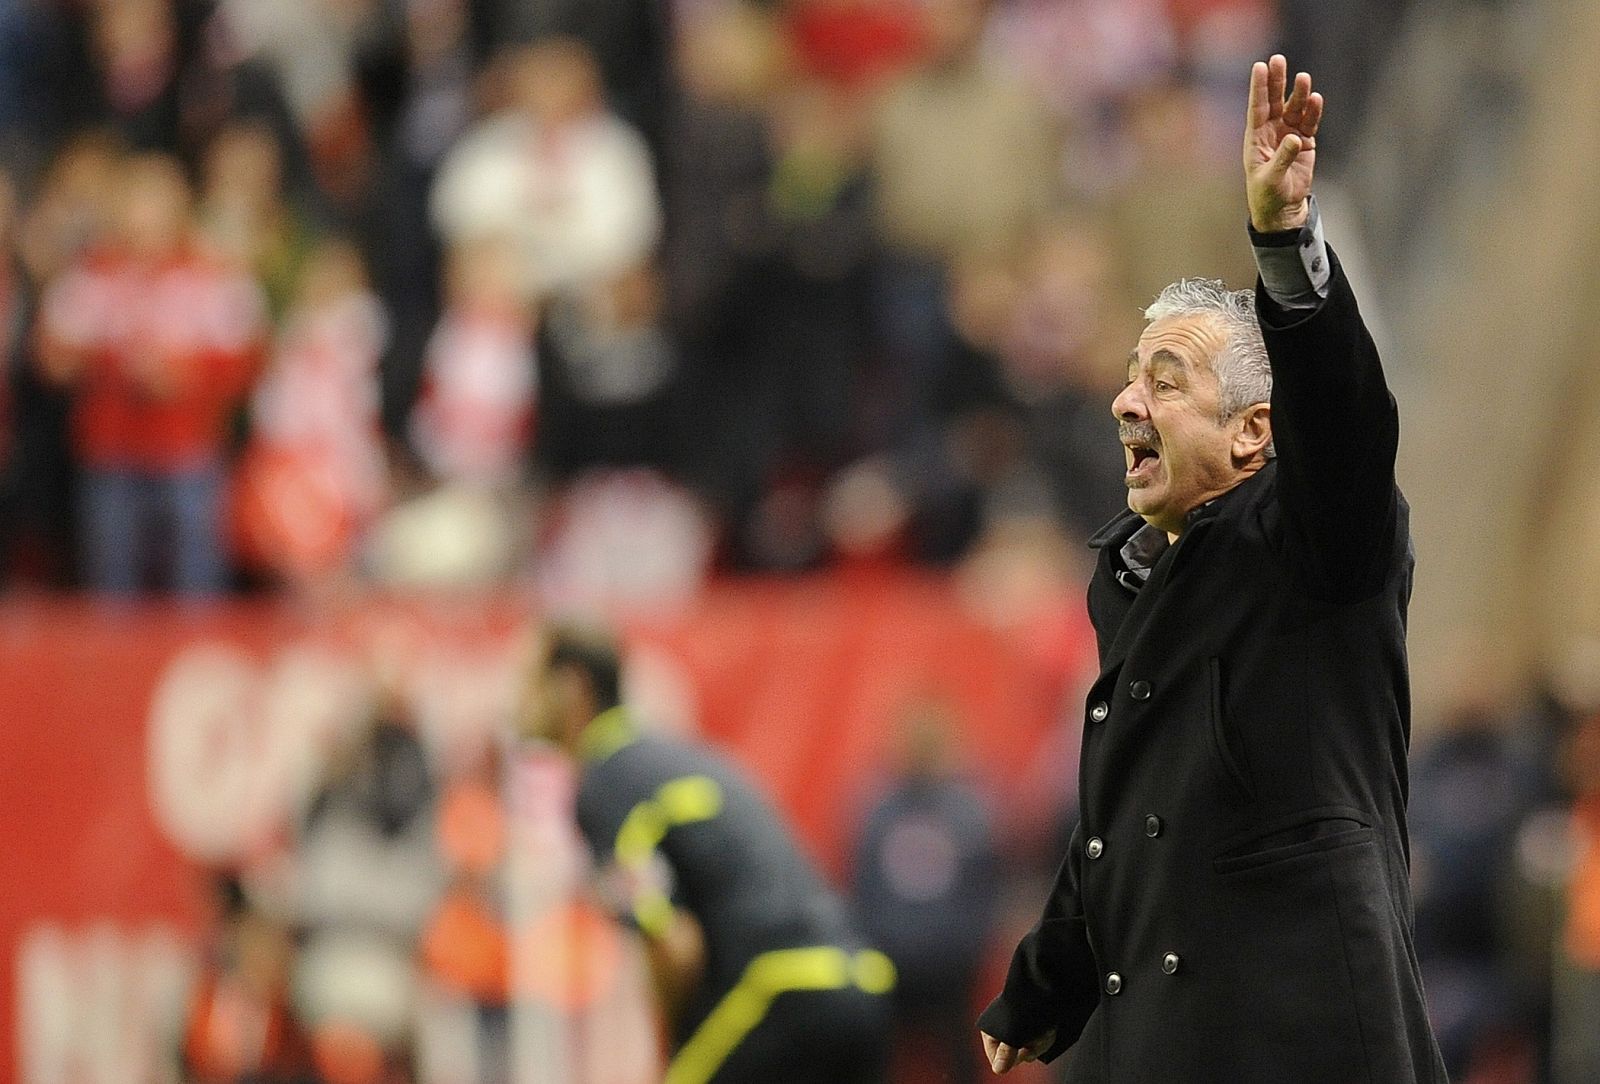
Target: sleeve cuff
1293, 264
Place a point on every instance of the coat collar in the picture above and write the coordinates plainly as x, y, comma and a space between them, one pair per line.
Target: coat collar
1119, 530
1123, 526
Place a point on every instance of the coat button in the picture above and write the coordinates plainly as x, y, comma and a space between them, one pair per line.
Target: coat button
1099, 712
1095, 847
1113, 984
1152, 825
1139, 690
1169, 963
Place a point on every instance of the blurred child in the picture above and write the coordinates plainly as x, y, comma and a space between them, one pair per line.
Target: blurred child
157, 341
315, 474
474, 418
73, 208
245, 214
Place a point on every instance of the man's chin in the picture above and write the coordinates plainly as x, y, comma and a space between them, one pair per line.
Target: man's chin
1142, 500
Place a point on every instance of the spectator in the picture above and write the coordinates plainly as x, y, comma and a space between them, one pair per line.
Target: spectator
164, 77
785, 361
417, 83
629, 39
245, 214
966, 163
474, 419
1082, 57
15, 306
1469, 795
965, 156
962, 457
241, 1027
314, 476
68, 215
624, 540
571, 183
1181, 214
925, 888
1057, 364
718, 157
12, 295
369, 878
855, 44
612, 373
157, 340
1576, 1050
466, 949
136, 49
35, 47
311, 45
74, 206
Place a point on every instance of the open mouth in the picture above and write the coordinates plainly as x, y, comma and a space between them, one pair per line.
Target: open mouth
1142, 461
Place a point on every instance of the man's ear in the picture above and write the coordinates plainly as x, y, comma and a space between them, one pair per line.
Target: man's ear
1254, 433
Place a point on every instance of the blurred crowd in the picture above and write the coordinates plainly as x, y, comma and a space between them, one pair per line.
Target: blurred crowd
601, 297
382, 933
599, 294
1505, 871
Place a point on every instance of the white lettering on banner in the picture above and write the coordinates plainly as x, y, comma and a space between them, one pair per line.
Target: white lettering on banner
234, 749
236, 744
464, 699
102, 1005
314, 700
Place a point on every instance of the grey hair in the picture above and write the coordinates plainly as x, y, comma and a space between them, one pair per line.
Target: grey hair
1244, 373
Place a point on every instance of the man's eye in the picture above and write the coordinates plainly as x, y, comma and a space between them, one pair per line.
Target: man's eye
1162, 385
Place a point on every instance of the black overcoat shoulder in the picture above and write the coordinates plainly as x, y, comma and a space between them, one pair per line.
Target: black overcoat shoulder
1234, 907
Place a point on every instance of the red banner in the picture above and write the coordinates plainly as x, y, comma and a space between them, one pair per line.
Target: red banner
142, 744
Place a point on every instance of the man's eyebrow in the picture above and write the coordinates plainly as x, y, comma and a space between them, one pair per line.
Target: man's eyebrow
1165, 358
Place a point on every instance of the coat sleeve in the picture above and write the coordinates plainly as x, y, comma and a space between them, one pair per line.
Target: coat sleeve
1336, 431
1053, 981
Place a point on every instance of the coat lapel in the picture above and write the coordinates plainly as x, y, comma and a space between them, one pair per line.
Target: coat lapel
1137, 616
1149, 598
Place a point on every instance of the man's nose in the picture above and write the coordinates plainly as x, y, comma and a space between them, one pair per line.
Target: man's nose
1128, 406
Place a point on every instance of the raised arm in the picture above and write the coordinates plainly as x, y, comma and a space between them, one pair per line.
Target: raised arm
1280, 146
1334, 423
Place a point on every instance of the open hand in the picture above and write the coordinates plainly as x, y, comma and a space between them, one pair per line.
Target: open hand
1003, 1056
1280, 146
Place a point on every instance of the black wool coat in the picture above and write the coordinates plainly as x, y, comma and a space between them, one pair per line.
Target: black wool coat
1234, 905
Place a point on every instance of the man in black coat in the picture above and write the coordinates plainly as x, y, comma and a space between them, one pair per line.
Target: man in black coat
1234, 905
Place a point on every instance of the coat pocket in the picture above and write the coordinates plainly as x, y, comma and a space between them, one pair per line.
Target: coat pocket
1308, 832
1264, 860
1224, 745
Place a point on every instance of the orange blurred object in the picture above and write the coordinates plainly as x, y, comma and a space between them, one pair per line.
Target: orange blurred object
289, 514
232, 1034
346, 1054
472, 827
464, 948
574, 957
1583, 894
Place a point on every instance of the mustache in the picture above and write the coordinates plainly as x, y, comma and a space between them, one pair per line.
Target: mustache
1138, 433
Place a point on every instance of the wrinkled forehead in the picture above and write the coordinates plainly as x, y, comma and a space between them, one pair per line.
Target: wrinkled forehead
1187, 343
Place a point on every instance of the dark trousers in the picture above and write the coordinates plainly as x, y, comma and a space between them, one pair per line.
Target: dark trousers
815, 1037
132, 520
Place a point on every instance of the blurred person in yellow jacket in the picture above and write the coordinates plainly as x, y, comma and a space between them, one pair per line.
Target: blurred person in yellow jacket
758, 973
